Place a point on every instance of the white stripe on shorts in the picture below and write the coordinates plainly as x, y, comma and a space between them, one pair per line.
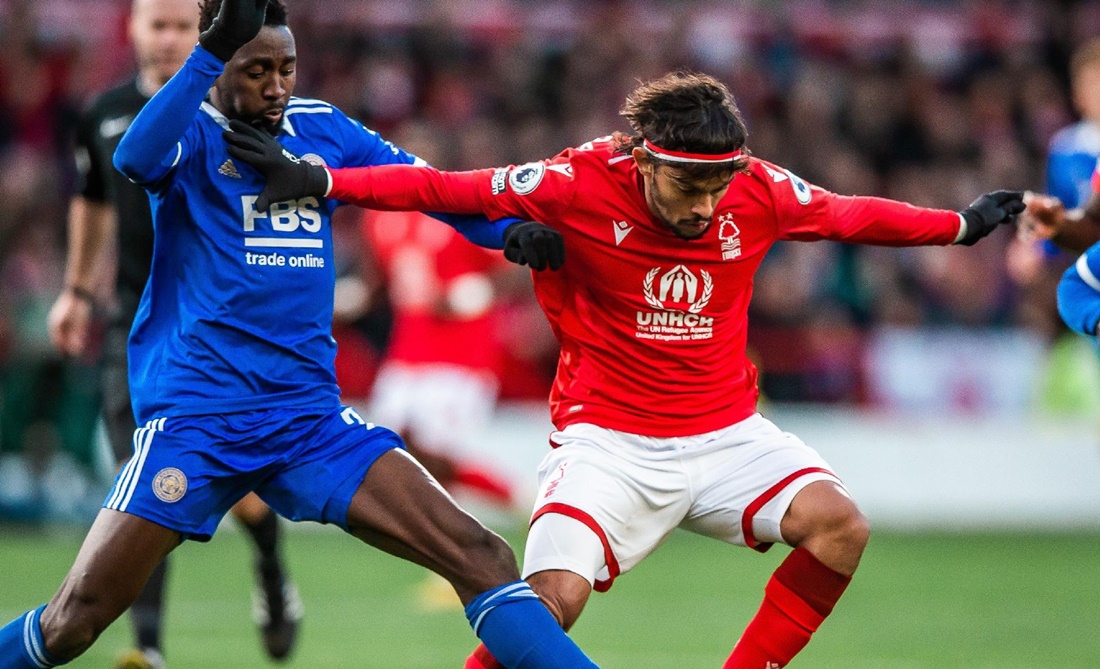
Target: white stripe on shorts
127, 482
128, 470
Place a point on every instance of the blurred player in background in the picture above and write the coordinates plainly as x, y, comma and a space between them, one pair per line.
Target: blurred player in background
231, 363
1035, 262
655, 399
1074, 149
1076, 230
109, 217
438, 383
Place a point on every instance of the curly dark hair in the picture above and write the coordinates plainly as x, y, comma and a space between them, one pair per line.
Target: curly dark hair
208, 11
690, 112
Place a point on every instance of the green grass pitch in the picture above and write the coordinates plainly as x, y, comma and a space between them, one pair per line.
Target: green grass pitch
1005, 601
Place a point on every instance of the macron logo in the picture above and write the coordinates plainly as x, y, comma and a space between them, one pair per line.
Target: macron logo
622, 229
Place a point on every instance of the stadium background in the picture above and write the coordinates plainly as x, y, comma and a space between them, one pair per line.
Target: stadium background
946, 394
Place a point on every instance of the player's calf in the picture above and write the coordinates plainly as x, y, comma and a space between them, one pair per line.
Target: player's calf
829, 534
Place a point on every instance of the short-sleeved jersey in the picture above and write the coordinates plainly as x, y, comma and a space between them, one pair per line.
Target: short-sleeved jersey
98, 132
652, 326
440, 289
237, 313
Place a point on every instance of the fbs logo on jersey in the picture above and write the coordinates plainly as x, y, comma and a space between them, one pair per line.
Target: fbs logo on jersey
170, 485
229, 169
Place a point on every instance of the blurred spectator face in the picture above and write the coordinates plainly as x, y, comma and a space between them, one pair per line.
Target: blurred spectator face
164, 32
683, 203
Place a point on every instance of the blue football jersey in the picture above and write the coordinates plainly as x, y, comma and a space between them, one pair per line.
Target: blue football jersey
1071, 161
1079, 292
237, 312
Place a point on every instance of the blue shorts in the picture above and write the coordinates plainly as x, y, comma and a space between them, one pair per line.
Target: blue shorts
187, 471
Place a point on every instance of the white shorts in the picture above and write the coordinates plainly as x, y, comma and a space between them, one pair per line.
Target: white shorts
442, 407
733, 484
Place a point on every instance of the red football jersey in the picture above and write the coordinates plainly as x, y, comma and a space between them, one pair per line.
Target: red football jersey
652, 327
440, 288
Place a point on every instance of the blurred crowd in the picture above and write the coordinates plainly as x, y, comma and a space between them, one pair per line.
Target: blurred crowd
929, 102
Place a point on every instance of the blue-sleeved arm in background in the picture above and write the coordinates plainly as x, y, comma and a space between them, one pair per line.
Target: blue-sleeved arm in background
154, 144
478, 229
1079, 292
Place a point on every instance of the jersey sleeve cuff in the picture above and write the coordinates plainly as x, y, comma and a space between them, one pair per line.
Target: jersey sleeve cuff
962, 228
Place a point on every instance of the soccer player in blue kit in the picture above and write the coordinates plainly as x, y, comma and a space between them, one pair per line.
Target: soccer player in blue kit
231, 363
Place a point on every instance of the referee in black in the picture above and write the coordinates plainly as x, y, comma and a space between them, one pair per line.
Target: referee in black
109, 219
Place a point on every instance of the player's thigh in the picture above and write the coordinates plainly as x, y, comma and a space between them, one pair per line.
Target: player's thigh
115, 560
746, 480
250, 509
323, 456
402, 510
630, 497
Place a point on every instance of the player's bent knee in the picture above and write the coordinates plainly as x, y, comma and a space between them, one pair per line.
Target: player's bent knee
563, 593
485, 561
853, 530
823, 515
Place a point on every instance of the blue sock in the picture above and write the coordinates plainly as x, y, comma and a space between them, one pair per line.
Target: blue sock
519, 631
21, 644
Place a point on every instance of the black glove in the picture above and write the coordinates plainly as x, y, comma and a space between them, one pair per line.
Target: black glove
237, 23
990, 210
288, 176
534, 244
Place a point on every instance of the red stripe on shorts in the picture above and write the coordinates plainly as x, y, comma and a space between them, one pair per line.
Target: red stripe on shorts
590, 522
752, 509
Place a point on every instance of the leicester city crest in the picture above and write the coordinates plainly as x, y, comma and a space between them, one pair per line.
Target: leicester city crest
170, 485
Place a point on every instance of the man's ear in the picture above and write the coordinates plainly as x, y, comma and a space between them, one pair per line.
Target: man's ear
642, 160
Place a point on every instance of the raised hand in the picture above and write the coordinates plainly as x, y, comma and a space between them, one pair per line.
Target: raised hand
288, 176
237, 23
989, 211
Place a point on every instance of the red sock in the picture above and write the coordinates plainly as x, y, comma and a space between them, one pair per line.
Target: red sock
798, 597
481, 658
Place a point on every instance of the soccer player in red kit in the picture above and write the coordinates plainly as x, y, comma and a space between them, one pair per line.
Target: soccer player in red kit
438, 384
655, 399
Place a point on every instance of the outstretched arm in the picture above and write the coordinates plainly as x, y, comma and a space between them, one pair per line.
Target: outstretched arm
1074, 229
882, 222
